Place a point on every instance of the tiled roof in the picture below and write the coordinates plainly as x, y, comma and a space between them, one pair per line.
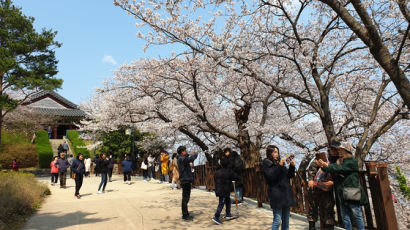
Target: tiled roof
60, 112
47, 105
53, 94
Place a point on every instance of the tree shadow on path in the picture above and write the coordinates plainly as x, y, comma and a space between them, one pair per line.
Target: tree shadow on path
55, 221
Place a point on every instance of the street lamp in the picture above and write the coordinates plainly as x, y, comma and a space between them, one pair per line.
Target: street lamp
131, 131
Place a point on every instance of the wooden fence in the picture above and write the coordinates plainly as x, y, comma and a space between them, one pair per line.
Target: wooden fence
378, 214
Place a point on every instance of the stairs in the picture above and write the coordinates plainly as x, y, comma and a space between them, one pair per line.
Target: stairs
56, 142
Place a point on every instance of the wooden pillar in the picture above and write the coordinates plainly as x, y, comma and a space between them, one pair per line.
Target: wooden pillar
387, 208
55, 131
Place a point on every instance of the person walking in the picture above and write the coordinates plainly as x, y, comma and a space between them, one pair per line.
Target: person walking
237, 165
78, 169
127, 169
279, 190
175, 172
60, 149
349, 192
111, 162
224, 177
96, 165
103, 167
186, 178
164, 167
87, 163
65, 147
54, 171
320, 195
62, 165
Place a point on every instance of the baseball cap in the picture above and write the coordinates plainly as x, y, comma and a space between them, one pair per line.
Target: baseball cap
335, 144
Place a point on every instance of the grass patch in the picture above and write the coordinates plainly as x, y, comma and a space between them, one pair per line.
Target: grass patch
20, 196
15, 145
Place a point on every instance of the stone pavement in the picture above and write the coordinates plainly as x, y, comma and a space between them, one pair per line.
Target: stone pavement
141, 205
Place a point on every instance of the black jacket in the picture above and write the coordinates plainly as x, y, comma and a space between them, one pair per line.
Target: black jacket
78, 167
279, 189
185, 173
223, 181
237, 165
102, 165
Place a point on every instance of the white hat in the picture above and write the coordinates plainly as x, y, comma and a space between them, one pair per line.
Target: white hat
347, 146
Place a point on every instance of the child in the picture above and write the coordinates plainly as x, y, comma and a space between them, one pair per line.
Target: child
223, 188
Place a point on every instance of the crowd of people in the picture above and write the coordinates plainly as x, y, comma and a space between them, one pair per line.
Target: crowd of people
336, 171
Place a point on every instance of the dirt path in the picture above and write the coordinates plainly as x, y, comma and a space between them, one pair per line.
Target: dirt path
142, 205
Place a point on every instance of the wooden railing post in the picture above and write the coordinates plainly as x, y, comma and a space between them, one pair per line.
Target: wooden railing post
387, 208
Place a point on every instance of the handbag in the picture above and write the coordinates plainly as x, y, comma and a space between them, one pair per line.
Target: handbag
351, 193
144, 166
73, 174
156, 168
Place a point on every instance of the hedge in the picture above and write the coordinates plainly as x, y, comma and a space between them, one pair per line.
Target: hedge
44, 150
77, 144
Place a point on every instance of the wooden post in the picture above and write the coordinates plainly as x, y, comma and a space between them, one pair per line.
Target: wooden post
55, 131
374, 191
387, 208
368, 212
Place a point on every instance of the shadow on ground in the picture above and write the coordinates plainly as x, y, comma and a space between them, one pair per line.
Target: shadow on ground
56, 221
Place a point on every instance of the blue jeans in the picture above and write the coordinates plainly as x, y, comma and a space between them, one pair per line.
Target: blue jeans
223, 201
356, 215
103, 181
151, 172
281, 215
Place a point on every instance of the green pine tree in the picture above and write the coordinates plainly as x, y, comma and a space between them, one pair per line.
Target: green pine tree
27, 58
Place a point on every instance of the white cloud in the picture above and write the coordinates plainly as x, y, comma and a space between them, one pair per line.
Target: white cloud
109, 59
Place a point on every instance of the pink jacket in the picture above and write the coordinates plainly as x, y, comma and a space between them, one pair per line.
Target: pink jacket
54, 169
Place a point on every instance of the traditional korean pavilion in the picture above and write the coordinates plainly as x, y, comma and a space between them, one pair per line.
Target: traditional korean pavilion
64, 112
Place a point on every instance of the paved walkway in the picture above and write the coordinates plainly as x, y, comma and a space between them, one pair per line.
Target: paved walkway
141, 205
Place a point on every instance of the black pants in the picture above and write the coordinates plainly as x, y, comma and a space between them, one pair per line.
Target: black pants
223, 201
62, 176
186, 194
54, 178
110, 173
78, 183
127, 176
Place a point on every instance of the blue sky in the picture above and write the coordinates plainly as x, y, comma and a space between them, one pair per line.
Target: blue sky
97, 38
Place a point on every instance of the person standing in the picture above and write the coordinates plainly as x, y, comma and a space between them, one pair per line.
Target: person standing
87, 163
186, 178
96, 165
54, 171
62, 165
151, 166
349, 192
60, 149
320, 195
78, 169
224, 177
103, 166
175, 172
144, 168
15, 165
164, 167
127, 169
49, 132
237, 165
111, 162
279, 190
70, 159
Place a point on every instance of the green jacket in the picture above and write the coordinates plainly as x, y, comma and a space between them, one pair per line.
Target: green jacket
348, 176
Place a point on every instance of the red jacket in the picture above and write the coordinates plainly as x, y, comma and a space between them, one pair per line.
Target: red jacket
54, 169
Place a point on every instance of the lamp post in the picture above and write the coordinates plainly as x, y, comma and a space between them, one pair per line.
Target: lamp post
131, 131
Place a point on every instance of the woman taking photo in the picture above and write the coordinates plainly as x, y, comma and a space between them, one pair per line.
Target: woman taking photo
279, 190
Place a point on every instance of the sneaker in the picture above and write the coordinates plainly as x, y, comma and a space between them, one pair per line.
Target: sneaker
78, 196
229, 217
217, 220
187, 218
99, 192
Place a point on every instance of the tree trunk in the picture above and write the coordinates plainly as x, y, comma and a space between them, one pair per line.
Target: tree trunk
249, 152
